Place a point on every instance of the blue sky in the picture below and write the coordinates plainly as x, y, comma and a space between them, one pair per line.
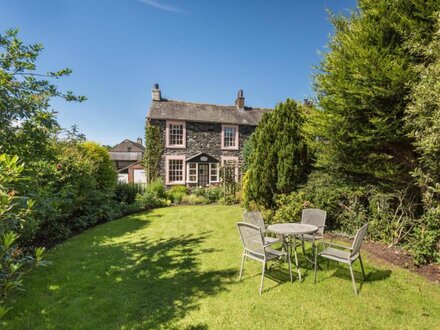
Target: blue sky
197, 50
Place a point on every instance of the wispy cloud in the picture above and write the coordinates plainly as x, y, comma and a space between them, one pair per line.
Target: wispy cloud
163, 6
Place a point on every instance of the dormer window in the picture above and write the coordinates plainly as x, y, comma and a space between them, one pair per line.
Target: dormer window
176, 134
230, 137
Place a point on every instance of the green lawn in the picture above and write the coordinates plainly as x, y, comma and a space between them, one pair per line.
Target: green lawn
177, 268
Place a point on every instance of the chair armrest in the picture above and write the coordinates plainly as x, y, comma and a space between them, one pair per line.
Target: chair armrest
338, 245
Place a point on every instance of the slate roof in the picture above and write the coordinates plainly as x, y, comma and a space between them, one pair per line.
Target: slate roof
124, 145
209, 113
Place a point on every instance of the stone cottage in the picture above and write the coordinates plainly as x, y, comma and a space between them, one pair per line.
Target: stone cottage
199, 138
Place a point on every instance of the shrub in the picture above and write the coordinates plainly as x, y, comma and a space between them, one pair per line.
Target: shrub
289, 207
176, 193
213, 194
14, 211
425, 239
157, 188
104, 169
194, 199
150, 200
126, 192
229, 200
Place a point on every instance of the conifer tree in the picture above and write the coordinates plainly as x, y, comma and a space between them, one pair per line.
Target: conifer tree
280, 161
363, 88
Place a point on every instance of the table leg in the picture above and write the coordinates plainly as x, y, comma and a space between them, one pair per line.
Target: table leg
296, 259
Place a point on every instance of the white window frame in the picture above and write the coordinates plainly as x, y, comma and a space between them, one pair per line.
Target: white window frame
167, 135
197, 172
167, 169
234, 158
210, 173
236, 147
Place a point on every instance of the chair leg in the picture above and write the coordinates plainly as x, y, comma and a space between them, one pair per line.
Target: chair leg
241, 268
352, 278
362, 266
289, 262
303, 248
316, 264
262, 277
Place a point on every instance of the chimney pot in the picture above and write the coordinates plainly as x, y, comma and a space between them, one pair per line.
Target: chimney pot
239, 102
139, 140
155, 93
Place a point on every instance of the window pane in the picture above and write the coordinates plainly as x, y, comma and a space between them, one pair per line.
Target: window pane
175, 170
175, 134
214, 172
192, 175
229, 137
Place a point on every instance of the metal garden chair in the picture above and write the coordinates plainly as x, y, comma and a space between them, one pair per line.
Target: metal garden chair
317, 218
336, 252
255, 248
256, 218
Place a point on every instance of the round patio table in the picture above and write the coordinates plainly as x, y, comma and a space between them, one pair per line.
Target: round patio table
289, 230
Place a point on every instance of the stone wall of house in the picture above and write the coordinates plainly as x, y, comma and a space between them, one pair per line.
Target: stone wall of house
203, 137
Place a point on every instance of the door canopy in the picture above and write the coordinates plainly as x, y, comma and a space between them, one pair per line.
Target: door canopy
202, 158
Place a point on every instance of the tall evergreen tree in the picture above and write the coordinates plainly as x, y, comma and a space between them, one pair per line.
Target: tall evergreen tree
363, 88
280, 160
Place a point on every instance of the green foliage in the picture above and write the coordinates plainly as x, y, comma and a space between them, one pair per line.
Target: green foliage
289, 207
27, 124
105, 171
79, 192
425, 239
14, 211
149, 200
212, 194
248, 149
153, 151
363, 88
423, 123
194, 200
154, 196
377, 128
157, 188
280, 159
176, 193
126, 192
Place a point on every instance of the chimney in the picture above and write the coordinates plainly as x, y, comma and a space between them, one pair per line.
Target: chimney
239, 102
139, 140
155, 93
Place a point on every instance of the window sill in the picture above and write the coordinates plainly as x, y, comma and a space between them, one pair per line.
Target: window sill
175, 183
229, 148
176, 147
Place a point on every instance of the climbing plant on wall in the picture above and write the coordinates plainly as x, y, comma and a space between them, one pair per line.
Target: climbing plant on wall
153, 151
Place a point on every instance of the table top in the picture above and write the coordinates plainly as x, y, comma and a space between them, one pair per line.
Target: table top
292, 229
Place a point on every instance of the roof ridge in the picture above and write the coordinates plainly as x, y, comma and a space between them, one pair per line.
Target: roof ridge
212, 104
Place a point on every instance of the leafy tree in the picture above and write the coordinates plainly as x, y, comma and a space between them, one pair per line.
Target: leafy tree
363, 86
27, 124
105, 171
280, 160
153, 151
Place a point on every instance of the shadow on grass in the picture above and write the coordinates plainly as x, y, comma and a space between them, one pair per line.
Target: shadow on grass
342, 271
164, 279
126, 277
